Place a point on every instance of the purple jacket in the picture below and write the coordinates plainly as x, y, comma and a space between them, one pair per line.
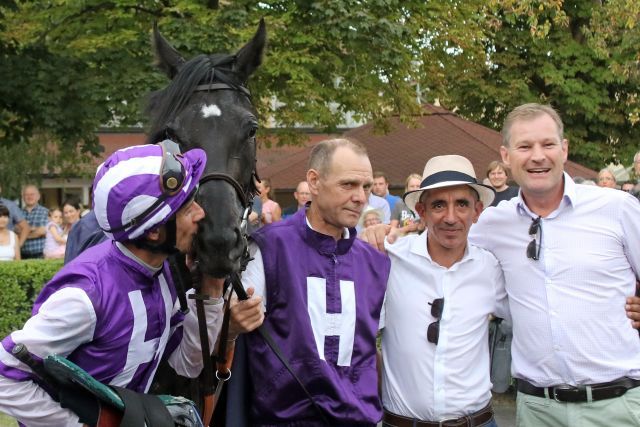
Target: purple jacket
135, 319
323, 306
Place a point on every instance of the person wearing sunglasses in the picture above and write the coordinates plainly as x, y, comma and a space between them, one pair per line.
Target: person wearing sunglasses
113, 310
571, 256
440, 293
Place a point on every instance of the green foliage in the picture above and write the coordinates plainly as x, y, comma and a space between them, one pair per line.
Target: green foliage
73, 66
20, 283
550, 54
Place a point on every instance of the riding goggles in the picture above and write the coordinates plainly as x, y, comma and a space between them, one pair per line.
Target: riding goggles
172, 172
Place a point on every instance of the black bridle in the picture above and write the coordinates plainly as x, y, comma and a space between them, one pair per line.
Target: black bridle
233, 283
244, 194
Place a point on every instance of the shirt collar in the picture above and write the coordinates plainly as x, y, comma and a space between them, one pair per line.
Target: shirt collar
345, 232
324, 243
568, 199
147, 269
419, 247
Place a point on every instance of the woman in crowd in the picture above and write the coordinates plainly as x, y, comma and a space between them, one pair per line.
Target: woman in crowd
402, 217
497, 174
271, 211
71, 209
56, 237
606, 179
9, 245
370, 216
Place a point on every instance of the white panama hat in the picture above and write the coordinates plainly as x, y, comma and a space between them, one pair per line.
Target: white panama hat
449, 171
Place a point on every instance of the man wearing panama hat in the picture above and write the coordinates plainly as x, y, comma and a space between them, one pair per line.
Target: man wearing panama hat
440, 292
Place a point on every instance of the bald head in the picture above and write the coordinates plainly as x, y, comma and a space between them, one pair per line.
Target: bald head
30, 195
302, 194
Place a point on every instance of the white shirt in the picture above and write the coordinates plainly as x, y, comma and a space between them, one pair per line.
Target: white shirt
8, 251
449, 380
569, 322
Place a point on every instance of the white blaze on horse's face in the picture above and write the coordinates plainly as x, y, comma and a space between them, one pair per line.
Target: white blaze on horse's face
211, 110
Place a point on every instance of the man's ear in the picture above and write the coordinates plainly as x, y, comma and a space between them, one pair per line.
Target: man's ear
313, 177
420, 209
479, 207
504, 153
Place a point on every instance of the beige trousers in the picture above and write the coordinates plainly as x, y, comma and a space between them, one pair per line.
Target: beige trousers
623, 411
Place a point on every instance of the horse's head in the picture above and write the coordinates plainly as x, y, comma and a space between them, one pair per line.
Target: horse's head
208, 106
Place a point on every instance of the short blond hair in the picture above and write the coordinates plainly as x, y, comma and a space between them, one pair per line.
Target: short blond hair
529, 112
409, 178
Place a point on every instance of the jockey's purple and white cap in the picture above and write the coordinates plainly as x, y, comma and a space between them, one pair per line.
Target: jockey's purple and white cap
129, 182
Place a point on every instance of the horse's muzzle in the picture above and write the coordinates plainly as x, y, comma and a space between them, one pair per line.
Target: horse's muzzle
220, 251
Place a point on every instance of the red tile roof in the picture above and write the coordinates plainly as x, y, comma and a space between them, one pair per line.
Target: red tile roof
398, 153
406, 150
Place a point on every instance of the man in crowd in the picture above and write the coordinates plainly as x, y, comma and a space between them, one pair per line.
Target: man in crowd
323, 291
570, 255
37, 217
438, 372
628, 186
113, 311
17, 222
381, 189
302, 196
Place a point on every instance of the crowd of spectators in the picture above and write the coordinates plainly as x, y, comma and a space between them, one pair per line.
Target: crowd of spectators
386, 208
33, 231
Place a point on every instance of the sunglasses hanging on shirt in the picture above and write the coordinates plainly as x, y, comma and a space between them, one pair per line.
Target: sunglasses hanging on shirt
433, 331
534, 246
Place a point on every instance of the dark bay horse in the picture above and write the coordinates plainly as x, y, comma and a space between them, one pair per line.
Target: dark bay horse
208, 106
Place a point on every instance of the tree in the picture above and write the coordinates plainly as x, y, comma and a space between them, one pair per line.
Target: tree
74, 66
558, 55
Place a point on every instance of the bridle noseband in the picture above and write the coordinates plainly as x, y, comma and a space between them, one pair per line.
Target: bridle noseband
244, 196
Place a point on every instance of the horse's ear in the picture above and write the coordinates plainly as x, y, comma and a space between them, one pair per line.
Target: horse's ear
167, 58
249, 57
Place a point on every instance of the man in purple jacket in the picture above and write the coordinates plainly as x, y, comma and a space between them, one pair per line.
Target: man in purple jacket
322, 291
113, 310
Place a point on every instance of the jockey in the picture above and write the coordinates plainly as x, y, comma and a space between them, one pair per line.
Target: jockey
113, 311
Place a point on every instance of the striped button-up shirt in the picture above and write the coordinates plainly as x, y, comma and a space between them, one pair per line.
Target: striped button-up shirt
38, 217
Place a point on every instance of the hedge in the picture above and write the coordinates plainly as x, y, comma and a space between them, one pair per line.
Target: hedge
20, 283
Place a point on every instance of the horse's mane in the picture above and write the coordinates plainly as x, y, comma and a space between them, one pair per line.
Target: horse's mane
164, 104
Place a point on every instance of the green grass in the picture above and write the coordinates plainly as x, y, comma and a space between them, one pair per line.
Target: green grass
7, 421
